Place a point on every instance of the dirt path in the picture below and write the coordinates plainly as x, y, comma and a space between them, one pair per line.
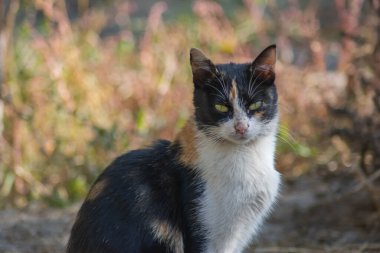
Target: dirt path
315, 214
322, 214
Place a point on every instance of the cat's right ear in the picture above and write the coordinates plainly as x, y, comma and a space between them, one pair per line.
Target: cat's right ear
202, 67
264, 63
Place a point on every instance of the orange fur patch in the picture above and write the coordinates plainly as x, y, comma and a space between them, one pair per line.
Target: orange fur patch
164, 232
259, 114
233, 91
186, 139
97, 189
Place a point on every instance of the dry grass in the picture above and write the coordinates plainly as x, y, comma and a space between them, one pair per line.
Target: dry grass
74, 100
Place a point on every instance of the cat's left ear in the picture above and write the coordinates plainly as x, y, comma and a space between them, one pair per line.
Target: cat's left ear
264, 63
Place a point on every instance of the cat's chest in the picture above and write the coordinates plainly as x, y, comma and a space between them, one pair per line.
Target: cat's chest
242, 170
238, 180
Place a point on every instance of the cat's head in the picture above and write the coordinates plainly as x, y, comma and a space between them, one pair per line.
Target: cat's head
236, 103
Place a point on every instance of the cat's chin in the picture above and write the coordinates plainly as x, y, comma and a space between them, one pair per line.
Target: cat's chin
240, 140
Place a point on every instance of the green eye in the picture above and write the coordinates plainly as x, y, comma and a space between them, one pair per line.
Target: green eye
255, 106
221, 108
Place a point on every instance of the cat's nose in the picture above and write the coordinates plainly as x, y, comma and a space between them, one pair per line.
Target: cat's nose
241, 128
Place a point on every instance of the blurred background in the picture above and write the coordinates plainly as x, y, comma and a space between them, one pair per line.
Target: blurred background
83, 81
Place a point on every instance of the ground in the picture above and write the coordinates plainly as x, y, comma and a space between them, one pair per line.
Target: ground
317, 212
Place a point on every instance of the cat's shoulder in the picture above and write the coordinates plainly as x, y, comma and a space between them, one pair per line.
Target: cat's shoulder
155, 161
156, 150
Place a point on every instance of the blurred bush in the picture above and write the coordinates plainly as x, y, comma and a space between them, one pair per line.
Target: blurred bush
88, 80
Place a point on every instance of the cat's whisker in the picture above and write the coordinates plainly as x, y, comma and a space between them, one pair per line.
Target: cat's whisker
253, 84
250, 81
211, 132
254, 94
224, 87
219, 96
220, 92
257, 93
223, 84
284, 140
285, 131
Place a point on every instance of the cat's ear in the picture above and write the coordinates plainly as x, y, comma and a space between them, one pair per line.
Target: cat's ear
202, 67
265, 62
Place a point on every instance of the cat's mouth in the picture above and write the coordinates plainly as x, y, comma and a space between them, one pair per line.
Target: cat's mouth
240, 138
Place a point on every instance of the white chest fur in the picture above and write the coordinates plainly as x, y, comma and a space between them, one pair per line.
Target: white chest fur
241, 185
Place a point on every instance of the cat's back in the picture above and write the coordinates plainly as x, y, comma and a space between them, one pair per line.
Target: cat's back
138, 194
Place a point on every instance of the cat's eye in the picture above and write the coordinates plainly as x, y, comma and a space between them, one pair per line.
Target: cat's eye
256, 105
221, 108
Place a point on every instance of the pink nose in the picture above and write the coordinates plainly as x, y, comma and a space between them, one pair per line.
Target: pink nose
241, 128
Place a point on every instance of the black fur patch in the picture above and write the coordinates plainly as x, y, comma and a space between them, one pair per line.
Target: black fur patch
142, 186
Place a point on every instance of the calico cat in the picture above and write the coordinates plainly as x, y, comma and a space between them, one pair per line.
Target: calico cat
208, 190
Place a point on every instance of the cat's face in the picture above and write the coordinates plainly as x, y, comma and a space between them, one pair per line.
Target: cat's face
235, 102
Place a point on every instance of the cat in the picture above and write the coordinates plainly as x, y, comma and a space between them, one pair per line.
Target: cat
210, 189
